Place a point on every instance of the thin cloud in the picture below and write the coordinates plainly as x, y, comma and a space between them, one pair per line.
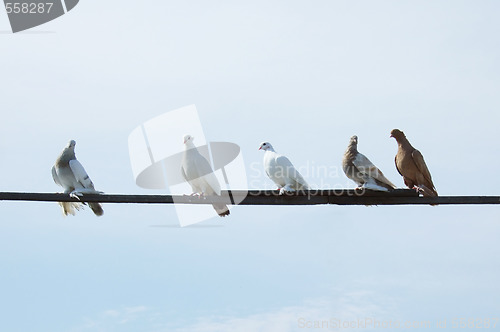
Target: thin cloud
352, 305
340, 304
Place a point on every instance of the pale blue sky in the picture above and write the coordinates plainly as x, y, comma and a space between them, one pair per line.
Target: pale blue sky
304, 75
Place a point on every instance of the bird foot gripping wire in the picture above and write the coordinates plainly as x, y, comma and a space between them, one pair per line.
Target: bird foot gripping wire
76, 194
79, 193
425, 191
286, 190
196, 195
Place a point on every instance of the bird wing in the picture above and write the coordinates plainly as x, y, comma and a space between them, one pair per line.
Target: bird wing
55, 176
185, 177
208, 174
364, 165
183, 173
396, 163
288, 169
196, 169
418, 158
80, 174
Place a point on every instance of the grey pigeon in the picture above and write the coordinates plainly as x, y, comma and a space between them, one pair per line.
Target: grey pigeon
411, 165
70, 174
197, 171
281, 170
361, 170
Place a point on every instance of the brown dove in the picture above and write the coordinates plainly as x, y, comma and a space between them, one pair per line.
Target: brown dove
411, 165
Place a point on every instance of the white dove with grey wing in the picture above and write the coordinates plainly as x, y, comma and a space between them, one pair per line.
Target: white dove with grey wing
281, 171
68, 173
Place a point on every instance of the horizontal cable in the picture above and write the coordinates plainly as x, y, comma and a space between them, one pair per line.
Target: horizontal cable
265, 197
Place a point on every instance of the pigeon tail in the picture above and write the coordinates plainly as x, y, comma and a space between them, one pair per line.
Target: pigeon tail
387, 185
373, 184
426, 191
221, 209
70, 207
96, 208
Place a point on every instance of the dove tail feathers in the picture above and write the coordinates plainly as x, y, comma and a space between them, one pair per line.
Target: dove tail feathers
426, 191
221, 209
70, 207
96, 208
387, 185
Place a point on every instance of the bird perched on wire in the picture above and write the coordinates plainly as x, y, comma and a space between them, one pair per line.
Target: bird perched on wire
281, 171
196, 170
361, 170
411, 165
70, 174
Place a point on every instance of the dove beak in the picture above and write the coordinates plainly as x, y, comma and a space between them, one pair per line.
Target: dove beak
260, 147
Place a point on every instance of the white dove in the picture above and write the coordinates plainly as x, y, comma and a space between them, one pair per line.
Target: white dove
281, 171
197, 171
361, 170
70, 174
